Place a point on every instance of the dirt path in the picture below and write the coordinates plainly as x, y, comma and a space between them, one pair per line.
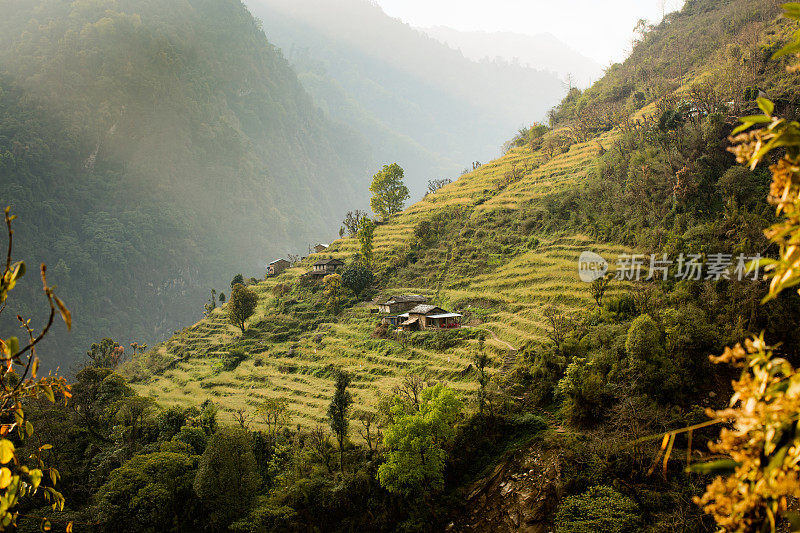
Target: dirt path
509, 346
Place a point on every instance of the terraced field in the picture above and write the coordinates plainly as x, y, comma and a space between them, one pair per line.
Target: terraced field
512, 295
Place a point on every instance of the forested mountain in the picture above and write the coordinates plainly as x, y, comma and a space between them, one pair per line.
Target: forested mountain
543, 51
154, 149
418, 101
658, 395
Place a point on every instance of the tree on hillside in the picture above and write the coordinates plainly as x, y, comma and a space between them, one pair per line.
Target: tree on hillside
357, 278
241, 306
227, 476
352, 221
481, 361
276, 415
599, 287
237, 279
366, 234
105, 354
211, 304
436, 184
417, 441
338, 412
333, 291
150, 492
388, 191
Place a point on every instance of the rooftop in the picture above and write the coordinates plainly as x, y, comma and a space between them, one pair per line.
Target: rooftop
323, 262
425, 309
405, 298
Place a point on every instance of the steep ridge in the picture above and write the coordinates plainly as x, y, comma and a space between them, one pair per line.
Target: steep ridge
508, 298
510, 228
151, 149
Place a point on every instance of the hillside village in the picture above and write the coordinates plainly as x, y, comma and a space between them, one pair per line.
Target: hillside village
595, 331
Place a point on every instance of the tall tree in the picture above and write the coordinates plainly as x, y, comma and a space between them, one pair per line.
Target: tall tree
105, 354
481, 360
417, 441
338, 412
241, 306
333, 290
357, 278
352, 221
388, 191
227, 476
366, 234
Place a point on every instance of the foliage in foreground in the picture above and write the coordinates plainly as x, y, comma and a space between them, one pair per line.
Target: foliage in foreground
23, 471
764, 439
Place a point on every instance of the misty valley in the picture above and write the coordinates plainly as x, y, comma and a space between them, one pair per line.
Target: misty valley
371, 265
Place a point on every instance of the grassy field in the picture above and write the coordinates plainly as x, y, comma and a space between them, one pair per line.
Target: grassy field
507, 297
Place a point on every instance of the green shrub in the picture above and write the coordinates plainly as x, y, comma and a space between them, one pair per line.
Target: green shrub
601, 508
529, 422
232, 359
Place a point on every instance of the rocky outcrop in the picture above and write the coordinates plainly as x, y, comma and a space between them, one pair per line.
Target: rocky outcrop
520, 494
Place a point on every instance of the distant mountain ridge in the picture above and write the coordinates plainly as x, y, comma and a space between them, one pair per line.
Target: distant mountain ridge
543, 51
416, 100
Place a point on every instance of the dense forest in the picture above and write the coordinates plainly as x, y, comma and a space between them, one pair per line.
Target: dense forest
154, 148
624, 404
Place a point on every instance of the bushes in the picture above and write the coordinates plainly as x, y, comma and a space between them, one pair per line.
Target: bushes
441, 340
582, 389
601, 508
650, 369
231, 360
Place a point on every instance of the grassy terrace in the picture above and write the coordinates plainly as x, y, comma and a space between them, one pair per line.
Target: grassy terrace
510, 294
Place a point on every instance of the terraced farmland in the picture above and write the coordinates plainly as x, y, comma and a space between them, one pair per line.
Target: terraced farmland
511, 294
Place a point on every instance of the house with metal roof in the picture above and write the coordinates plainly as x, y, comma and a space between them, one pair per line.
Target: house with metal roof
401, 303
277, 266
425, 316
325, 267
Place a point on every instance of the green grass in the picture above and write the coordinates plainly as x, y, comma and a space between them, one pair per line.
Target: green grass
508, 291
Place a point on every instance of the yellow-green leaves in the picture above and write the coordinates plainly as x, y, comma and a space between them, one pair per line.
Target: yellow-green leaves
36, 478
9, 347
65, 314
792, 11
6, 451
5, 477
9, 279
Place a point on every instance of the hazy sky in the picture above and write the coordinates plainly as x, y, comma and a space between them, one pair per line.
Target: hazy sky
600, 29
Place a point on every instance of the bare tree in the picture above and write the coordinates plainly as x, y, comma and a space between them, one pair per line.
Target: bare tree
242, 418
321, 447
558, 326
369, 430
410, 389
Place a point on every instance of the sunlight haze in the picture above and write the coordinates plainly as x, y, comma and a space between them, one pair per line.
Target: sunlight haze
600, 30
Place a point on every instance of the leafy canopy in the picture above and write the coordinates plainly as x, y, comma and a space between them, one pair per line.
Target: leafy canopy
388, 191
417, 441
242, 305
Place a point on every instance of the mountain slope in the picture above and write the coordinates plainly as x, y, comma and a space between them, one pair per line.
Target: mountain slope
543, 51
419, 102
153, 148
500, 244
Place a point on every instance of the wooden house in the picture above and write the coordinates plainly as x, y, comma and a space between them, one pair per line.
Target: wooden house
426, 316
399, 304
277, 266
325, 267
319, 248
